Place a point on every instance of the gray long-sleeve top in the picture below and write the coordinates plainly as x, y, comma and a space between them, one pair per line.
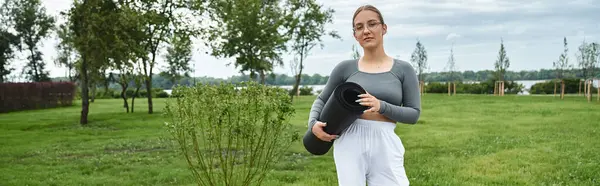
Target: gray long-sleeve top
397, 90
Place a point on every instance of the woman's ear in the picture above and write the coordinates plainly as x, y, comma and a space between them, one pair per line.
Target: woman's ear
384, 29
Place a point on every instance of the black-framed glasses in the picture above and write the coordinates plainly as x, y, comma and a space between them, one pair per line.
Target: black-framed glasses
371, 25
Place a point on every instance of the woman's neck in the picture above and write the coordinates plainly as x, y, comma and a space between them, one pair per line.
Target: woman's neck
374, 55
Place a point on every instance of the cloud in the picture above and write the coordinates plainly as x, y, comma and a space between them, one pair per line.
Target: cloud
452, 36
532, 33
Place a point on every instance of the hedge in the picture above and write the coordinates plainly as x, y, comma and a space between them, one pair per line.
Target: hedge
571, 87
40, 95
485, 87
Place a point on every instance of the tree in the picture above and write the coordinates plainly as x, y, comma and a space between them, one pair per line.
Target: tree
306, 27
451, 66
452, 70
585, 59
66, 53
251, 31
502, 63
159, 20
32, 24
355, 52
588, 62
178, 57
95, 27
560, 66
419, 61
7, 42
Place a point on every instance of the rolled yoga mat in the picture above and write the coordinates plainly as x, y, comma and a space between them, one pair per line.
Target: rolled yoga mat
339, 112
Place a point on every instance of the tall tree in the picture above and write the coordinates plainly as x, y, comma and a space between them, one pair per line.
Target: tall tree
419, 60
158, 20
7, 43
563, 61
583, 60
32, 24
178, 57
355, 52
502, 63
250, 31
66, 53
95, 27
307, 21
451, 66
561, 66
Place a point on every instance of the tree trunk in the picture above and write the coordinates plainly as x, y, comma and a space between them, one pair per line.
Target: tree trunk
149, 94
135, 94
262, 77
84, 93
449, 84
579, 93
124, 96
106, 85
148, 82
562, 89
36, 75
454, 88
93, 93
555, 89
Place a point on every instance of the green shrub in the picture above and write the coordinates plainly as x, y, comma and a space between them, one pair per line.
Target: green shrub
231, 136
306, 91
485, 87
571, 87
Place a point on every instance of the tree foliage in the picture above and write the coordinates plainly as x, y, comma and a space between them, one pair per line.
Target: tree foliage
95, 28
451, 66
31, 24
178, 58
355, 52
419, 60
8, 41
306, 25
502, 63
563, 62
588, 55
251, 31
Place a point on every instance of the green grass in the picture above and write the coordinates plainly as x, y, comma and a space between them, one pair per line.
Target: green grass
460, 140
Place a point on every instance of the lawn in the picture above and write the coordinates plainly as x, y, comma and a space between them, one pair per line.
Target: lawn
459, 140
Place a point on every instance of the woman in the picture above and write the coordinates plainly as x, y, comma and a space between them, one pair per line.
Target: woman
369, 151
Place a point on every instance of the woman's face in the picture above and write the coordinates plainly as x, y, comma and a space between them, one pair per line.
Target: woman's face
368, 30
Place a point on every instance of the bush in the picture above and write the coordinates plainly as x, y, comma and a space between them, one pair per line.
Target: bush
41, 95
230, 136
571, 87
304, 91
485, 87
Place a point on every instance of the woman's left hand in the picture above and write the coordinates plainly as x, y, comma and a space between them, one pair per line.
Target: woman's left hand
370, 101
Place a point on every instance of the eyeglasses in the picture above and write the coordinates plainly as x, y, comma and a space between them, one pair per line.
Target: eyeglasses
371, 25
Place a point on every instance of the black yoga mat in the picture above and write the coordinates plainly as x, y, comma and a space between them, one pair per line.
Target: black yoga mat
340, 110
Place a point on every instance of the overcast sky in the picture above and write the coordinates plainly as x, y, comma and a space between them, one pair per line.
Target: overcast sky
533, 33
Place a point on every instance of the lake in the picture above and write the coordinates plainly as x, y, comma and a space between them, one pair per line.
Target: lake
526, 83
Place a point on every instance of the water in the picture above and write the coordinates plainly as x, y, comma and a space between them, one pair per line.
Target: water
526, 84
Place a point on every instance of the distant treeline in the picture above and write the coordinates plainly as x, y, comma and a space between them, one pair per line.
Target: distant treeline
317, 79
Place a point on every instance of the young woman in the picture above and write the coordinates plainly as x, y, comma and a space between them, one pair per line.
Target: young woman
369, 151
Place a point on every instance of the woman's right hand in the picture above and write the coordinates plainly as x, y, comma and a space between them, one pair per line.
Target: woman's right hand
317, 129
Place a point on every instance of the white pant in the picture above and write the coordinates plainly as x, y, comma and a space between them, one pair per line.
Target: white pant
370, 152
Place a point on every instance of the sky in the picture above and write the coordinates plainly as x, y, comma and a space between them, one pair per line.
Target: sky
532, 31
